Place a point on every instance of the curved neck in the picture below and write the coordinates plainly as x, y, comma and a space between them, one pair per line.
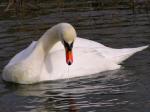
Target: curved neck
47, 41
44, 44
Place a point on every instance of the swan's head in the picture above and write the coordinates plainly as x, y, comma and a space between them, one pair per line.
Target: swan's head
67, 35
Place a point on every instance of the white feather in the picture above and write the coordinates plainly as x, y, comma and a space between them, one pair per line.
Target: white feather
45, 59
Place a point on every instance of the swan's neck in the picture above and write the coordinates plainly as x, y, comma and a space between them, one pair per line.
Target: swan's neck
48, 40
44, 44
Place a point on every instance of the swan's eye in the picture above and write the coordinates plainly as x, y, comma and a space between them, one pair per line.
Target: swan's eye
71, 45
68, 46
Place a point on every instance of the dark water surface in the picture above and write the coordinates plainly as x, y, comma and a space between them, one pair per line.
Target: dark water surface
124, 90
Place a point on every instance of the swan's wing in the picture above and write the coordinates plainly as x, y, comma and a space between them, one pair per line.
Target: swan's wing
115, 55
23, 54
119, 55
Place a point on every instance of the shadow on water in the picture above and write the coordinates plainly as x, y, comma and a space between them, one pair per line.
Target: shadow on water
118, 24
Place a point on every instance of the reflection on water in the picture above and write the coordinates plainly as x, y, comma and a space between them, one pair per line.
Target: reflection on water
115, 90
86, 93
124, 90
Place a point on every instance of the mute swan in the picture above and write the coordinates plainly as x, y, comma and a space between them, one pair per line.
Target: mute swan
45, 59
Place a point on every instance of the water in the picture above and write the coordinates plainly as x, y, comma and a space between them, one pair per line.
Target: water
124, 90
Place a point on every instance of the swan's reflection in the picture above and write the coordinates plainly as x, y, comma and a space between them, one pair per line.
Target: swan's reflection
71, 94
44, 97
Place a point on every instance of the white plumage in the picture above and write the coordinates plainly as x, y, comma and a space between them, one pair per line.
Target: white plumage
45, 59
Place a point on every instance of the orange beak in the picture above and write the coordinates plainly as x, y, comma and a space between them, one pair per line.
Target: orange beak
69, 57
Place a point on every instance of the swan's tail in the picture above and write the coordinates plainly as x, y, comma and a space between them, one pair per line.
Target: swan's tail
140, 48
120, 55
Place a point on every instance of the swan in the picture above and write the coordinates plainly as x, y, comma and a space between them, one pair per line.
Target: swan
60, 48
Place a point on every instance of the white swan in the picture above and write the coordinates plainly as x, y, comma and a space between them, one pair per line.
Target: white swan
45, 59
